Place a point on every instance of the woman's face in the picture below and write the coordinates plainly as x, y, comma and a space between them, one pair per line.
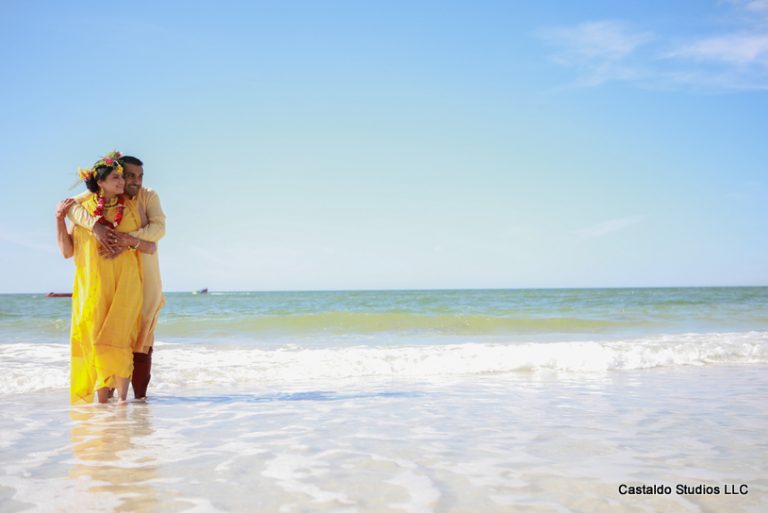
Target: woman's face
112, 185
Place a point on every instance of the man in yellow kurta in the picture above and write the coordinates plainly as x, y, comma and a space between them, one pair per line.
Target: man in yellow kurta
152, 230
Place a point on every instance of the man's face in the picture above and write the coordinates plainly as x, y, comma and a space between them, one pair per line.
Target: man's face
134, 175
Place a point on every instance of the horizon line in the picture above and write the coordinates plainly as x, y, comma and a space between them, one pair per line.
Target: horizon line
450, 289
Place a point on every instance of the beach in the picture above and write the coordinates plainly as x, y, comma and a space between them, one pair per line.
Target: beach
415, 401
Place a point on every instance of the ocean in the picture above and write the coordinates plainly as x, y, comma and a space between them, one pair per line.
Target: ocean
414, 401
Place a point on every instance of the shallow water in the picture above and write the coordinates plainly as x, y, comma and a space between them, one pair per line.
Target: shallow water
520, 442
401, 401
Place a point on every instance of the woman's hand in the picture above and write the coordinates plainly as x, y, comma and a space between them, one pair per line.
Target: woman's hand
63, 207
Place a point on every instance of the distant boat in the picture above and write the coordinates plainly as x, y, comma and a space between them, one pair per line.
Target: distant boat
59, 294
201, 291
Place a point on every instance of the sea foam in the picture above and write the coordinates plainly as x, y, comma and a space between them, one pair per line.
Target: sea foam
29, 367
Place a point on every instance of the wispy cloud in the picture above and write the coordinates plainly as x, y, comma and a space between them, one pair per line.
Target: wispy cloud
607, 227
604, 40
599, 49
602, 51
736, 49
210, 256
231, 257
26, 241
753, 6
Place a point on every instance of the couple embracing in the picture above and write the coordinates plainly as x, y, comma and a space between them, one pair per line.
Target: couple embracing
117, 295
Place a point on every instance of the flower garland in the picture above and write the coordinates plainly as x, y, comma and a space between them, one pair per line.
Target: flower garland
98, 213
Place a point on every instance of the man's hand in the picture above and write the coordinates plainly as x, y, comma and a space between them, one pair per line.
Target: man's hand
63, 207
106, 236
106, 253
124, 241
121, 242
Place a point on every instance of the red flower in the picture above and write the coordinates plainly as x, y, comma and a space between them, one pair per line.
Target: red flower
108, 162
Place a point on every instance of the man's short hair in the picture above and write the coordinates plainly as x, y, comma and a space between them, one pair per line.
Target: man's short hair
130, 160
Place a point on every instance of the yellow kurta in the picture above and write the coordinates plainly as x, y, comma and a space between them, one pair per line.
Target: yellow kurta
152, 229
106, 309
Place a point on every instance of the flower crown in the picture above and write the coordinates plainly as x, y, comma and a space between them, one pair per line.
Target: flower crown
111, 159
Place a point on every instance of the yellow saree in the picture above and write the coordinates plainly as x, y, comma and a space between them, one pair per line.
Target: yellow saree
106, 308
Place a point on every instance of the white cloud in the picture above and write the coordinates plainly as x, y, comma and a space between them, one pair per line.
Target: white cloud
598, 49
602, 40
735, 59
758, 6
607, 227
737, 49
244, 256
27, 241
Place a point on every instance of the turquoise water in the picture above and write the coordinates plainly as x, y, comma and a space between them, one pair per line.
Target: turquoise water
282, 338
513, 313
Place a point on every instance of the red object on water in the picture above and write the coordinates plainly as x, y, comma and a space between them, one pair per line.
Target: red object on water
59, 294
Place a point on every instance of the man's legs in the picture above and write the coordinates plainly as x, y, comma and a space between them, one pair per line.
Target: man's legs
142, 366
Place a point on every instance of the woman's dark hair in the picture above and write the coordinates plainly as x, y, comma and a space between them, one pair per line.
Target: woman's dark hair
130, 160
100, 173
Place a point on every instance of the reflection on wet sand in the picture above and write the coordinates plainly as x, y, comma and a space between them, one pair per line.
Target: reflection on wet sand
107, 443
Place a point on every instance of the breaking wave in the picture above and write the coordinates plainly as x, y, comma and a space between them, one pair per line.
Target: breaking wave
33, 367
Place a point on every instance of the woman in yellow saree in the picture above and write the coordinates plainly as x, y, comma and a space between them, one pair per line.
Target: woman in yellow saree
107, 293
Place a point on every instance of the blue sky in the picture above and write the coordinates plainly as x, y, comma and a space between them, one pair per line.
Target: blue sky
367, 145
